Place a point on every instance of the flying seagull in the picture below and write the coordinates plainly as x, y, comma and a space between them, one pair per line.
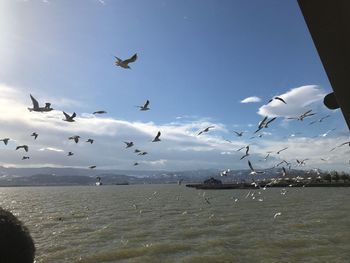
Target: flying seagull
144, 107
277, 98
282, 150
267, 156
156, 139
326, 133
25, 147
125, 63
91, 141
205, 130
5, 140
325, 117
99, 112
36, 106
345, 143
284, 161
142, 153
136, 163
129, 144
92, 166
303, 116
70, 154
75, 138
302, 162
246, 152
137, 151
253, 172
25, 157
239, 134
69, 118
264, 123
35, 135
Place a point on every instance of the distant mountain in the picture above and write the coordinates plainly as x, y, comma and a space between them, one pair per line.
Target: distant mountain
79, 176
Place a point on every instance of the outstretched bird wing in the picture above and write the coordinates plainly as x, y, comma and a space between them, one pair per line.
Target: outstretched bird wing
158, 135
74, 115
250, 165
35, 102
278, 98
132, 59
66, 115
146, 104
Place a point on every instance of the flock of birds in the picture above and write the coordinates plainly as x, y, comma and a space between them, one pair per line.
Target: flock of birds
264, 124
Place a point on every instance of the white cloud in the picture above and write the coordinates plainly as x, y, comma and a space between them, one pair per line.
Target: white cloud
51, 149
298, 101
251, 99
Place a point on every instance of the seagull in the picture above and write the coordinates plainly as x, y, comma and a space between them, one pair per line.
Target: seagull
325, 117
267, 156
277, 98
253, 172
69, 118
284, 173
242, 148
156, 139
137, 151
129, 144
302, 162
239, 134
99, 112
75, 138
25, 157
205, 130
92, 166
225, 172
5, 140
145, 106
348, 143
125, 63
282, 150
91, 141
25, 147
136, 163
264, 123
326, 133
276, 215
143, 153
287, 163
35, 135
246, 152
303, 116
36, 106
70, 154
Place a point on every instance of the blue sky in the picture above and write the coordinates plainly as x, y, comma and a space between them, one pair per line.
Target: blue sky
197, 60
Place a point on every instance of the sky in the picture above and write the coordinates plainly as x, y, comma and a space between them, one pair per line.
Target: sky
200, 63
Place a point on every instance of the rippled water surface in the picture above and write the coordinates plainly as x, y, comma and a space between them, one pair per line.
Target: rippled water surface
171, 223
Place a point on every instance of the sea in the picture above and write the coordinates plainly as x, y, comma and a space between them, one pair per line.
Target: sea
173, 223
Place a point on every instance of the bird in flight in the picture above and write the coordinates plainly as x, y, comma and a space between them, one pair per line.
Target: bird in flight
35, 135
136, 163
25, 147
326, 133
69, 118
302, 162
264, 123
239, 134
91, 141
345, 143
25, 157
205, 130
278, 152
37, 108
70, 154
277, 98
246, 152
125, 63
144, 107
137, 151
99, 112
156, 139
303, 116
75, 138
142, 153
253, 172
129, 144
5, 140
267, 156
92, 166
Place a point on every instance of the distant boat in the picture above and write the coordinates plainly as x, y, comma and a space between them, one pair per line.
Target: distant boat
98, 182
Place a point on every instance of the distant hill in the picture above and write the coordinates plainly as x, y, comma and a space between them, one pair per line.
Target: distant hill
79, 176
